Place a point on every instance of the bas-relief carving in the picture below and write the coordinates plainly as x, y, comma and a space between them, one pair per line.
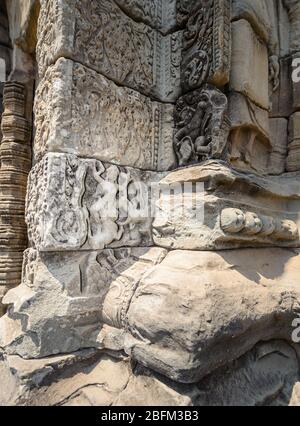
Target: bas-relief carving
239, 210
99, 35
202, 126
159, 14
102, 120
206, 42
81, 204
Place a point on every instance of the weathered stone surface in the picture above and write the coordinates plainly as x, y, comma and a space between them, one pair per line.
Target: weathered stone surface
59, 306
249, 64
238, 210
293, 159
206, 46
249, 140
82, 204
202, 125
198, 287
15, 157
265, 376
256, 13
282, 98
100, 36
102, 120
279, 140
159, 14
56, 310
293, 8
83, 378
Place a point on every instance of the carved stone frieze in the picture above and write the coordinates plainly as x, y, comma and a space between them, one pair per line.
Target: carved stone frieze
80, 204
101, 36
102, 120
15, 156
238, 210
202, 126
159, 14
206, 42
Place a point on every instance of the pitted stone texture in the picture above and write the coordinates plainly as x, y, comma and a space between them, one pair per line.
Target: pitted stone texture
230, 210
249, 67
83, 204
100, 36
79, 111
159, 14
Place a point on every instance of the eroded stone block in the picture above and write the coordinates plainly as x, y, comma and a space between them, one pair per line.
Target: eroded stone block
239, 210
82, 204
249, 65
101, 36
279, 140
249, 140
79, 111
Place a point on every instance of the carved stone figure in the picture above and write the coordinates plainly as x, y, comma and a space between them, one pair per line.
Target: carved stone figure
201, 125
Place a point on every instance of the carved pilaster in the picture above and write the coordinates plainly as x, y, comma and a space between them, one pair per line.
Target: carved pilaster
15, 158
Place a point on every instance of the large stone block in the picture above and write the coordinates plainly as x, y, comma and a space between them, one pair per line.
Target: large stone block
256, 13
81, 112
279, 140
249, 140
59, 306
239, 210
171, 312
82, 204
101, 36
249, 64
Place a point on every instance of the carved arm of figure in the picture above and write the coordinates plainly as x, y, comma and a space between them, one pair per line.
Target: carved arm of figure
179, 327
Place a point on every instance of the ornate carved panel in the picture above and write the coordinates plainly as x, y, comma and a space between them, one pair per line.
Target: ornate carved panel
101, 36
81, 204
206, 42
102, 120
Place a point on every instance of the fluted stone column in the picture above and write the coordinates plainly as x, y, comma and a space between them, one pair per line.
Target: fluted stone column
15, 165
